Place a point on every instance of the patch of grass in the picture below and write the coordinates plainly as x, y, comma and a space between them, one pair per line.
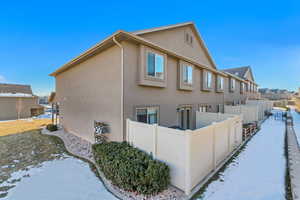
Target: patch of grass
29, 149
20, 126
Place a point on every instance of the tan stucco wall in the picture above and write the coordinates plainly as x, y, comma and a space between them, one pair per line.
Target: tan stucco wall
168, 98
236, 95
8, 107
92, 91
174, 39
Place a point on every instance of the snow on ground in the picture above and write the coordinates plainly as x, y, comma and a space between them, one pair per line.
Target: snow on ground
15, 95
258, 172
46, 115
296, 117
67, 178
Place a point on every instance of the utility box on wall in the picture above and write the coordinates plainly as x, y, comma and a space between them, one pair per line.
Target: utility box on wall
101, 129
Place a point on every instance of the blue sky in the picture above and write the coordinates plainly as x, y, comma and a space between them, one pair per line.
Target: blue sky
36, 37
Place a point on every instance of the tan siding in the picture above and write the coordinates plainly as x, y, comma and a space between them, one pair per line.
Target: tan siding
8, 107
169, 98
236, 95
92, 91
174, 39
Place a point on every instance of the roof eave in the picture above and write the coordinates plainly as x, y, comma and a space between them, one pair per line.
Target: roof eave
84, 54
137, 39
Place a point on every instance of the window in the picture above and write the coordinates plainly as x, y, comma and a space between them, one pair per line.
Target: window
232, 84
203, 108
187, 74
155, 65
185, 117
147, 115
220, 83
208, 80
242, 87
220, 108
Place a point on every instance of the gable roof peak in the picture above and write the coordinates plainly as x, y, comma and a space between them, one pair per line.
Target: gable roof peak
239, 71
15, 88
160, 28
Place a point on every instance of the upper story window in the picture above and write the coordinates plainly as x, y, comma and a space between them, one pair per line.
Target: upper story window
147, 115
242, 87
187, 74
155, 65
208, 80
232, 84
152, 67
188, 39
220, 83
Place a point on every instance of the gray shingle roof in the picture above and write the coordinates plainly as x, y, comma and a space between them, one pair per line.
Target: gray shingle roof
238, 71
14, 88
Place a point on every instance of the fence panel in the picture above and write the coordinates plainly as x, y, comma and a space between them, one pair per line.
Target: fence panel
221, 141
141, 135
171, 148
191, 154
202, 154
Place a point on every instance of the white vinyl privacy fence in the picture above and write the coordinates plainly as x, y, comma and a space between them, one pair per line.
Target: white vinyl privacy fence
190, 154
265, 105
250, 113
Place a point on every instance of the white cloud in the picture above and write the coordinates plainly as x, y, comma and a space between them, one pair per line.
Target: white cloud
2, 78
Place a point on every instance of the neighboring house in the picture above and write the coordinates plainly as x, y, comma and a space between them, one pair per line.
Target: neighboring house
43, 100
160, 75
275, 94
18, 101
245, 84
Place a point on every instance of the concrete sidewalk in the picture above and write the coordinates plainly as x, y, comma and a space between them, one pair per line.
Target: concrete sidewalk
293, 157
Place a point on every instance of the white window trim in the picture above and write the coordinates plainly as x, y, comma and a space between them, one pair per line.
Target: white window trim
232, 84
184, 75
201, 107
182, 85
208, 86
155, 77
151, 81
220, 82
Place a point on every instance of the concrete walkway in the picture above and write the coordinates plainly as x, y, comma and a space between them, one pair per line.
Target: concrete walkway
293, 158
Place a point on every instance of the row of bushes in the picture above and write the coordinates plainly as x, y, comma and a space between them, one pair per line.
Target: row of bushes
131, 169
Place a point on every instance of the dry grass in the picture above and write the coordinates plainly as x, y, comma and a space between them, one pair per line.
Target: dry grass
19, 126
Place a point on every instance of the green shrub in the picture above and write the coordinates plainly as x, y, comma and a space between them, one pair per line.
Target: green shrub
51, 127
131, 169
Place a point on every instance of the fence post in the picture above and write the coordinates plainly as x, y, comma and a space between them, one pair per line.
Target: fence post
214, 145
128, 138
154, 143
187, 165
229, 134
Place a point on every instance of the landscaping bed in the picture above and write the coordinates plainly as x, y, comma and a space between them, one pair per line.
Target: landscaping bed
131, 169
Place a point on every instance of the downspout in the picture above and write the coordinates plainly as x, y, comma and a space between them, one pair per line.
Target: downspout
122, 87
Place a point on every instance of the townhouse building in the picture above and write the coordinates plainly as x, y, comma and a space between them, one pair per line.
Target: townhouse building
160, 75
